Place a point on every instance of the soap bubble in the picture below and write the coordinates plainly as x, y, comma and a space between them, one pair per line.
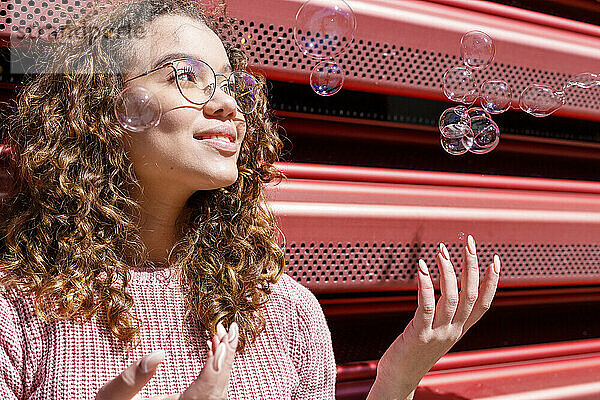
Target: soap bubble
477, 49
458, 145
459, 85
496, 96
137, 109
461, 235
584, 80
475, 112
540, 100
327, 78
486, 135
452, 121
324, 28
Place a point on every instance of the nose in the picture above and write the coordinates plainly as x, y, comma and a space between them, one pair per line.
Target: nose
221, 106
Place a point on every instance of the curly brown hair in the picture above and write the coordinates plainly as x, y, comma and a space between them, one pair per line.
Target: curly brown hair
67, 226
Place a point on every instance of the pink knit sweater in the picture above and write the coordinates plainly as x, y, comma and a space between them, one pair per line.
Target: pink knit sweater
291, 359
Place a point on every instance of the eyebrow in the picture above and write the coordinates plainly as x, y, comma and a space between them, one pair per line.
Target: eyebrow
173, 56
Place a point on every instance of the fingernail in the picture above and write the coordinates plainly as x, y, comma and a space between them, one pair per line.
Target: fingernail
151, 361
423, 267
496, 264
233, 332
444, 251
471, 245
221, 331
209, 344
219, 356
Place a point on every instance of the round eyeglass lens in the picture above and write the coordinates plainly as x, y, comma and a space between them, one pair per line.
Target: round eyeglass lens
245, 90
195, 79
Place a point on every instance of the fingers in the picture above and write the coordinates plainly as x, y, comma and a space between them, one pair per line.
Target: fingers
132, 380
214, 377
426, 299
448, 301
469, 283
487, 291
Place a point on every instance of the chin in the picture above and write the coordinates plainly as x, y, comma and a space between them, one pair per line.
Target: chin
223, 180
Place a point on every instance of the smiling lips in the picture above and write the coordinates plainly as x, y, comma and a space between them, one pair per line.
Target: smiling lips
223, 138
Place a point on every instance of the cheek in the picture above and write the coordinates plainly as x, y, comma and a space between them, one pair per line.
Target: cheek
177, 120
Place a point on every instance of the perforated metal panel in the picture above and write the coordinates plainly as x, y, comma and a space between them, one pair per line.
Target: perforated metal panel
325, 263
377, 63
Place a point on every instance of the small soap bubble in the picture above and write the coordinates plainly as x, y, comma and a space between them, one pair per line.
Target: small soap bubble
540, 100
459, 85
458, 145
327, 78
584, 80
461, 236
452, 122
486, 135
496, 96
137, 109
477, 49
324, 28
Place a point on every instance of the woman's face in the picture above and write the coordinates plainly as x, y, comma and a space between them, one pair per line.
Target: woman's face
172, 156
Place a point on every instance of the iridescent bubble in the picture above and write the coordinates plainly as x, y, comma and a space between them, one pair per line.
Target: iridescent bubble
475, 112
496, 96
461, 235
540, 100
486, 135
459, 85
137, 109
327, 78
584, 80
324, 28
453, 121
458, 145
477, 49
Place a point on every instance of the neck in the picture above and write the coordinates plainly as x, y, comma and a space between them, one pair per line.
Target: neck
158, 222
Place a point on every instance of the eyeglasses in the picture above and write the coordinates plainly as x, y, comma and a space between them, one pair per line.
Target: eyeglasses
197, 83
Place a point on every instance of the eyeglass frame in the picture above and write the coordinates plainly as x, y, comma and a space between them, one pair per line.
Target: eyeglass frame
170, 64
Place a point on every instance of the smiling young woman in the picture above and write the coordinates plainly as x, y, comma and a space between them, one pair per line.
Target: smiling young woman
118, 243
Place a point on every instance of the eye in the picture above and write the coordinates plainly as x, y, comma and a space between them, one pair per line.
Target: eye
188, 73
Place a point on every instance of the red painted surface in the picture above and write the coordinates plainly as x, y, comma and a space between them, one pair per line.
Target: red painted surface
384, 175
558, 371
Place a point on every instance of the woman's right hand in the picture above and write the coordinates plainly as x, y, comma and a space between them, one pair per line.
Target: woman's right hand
211, 384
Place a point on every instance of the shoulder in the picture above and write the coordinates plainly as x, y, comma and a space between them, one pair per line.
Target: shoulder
298, 304
289, 292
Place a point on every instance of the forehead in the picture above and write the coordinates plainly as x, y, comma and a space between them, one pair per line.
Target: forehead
172, 34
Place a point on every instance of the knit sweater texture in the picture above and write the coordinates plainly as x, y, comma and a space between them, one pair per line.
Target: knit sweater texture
291, 359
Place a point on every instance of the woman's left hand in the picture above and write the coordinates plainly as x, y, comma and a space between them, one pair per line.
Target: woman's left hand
434, 330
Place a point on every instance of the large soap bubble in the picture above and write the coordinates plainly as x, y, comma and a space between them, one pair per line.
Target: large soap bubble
327, 78
496, 96
324, 28
137, 109
541, 100
477, 49
458, 85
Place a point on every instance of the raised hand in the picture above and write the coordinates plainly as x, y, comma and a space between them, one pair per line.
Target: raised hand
211, 384
434, 330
